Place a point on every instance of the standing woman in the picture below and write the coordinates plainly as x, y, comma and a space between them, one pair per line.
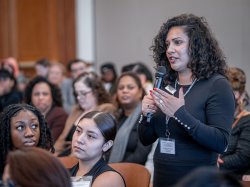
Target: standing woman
193, 123
127, 146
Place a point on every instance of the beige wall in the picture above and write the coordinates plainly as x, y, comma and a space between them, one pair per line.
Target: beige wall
124, 29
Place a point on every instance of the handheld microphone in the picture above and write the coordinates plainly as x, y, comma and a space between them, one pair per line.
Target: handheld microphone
159, 76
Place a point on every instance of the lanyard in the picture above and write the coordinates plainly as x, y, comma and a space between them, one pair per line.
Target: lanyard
188, 90
167, 133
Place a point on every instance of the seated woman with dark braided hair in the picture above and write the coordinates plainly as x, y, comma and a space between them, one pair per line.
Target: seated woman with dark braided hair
21, 126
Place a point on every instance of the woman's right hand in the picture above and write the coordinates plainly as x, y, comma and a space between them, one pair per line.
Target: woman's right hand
148, 105
219, 162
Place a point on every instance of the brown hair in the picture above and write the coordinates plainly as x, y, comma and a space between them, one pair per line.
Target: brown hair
91, 80
105, 122
237, 79
37, 167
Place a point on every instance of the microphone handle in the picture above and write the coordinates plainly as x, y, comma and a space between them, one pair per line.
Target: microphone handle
149, 116
157, 84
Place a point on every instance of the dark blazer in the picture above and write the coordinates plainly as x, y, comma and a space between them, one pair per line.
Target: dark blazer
237, 157
56, 119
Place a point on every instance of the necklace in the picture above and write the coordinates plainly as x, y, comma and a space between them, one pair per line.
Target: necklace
188, 90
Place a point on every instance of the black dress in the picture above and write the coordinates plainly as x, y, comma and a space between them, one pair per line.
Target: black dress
100, 167
200, 129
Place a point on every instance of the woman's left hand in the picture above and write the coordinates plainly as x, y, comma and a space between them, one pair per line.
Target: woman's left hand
168, 104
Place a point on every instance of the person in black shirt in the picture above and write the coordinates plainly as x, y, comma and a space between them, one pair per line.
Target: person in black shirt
193, 110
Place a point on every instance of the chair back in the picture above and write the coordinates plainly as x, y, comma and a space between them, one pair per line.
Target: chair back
135, 175
68, 161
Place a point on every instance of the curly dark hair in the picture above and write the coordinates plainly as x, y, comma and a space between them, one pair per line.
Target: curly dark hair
45, 142
55, 91
91, 80
206, 57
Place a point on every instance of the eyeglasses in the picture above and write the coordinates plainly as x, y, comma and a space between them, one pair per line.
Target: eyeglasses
82, 93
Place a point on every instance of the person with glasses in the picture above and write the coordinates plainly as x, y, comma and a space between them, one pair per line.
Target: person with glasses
90, 95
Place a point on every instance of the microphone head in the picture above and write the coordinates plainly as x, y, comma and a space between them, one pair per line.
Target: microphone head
160, 71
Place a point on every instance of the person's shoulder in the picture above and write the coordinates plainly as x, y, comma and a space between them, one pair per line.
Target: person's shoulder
76, 108
58, 111
106, 107
67, 81
109, 179
215, 80
216, 76
246, 118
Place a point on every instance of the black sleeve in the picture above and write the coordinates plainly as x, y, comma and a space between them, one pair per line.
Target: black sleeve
219, 113
136, 151
146, 131
240, 157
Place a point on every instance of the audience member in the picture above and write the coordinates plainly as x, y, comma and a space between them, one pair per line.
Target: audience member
108, 76
90, 95
208, 177
22, 125
77, 67
127, 146
42, 67
94, 135
147, 82
193, 111
11, 65
56, 75
47, 98
22, 82
246, 100
236, 159
8, 92
143, 72
35, 167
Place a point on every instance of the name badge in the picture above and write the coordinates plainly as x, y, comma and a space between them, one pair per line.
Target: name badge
81, 181
170, 89
167, 146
